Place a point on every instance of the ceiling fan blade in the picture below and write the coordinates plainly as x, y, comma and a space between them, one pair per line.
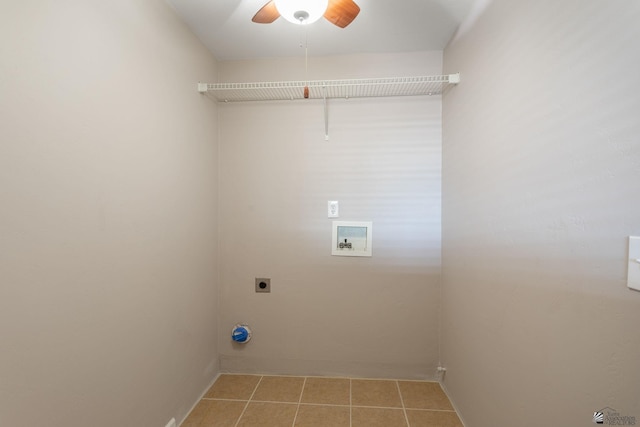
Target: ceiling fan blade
341, 12
267, 14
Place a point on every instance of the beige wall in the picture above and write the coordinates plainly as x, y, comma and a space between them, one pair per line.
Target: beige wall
541, 177
331, 315
108, 187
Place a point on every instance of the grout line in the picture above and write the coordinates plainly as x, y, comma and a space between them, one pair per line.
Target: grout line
295, 417
350, 403
225, 399
327, 404
248, 401
315, 404
256, 388
398, 408
404, 410
279, 402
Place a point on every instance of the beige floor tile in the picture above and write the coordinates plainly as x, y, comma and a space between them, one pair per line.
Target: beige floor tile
323, 416
324, 402
433, 419
423, 395
215, 413
233, 387
279, 389
328, 391
377, 417
380, 393
197, 414
263, 414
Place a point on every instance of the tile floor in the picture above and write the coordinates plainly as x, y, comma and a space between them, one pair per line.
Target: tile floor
274, 401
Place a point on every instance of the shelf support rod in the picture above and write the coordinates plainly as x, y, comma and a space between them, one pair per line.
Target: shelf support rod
326, 114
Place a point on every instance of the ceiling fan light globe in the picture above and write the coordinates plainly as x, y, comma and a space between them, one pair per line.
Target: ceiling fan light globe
302, 12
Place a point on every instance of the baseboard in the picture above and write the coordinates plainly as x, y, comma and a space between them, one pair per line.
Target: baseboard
215, 378
444, 388
326, 368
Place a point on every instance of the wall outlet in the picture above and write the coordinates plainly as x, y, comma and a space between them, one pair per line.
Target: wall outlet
172, 423
263, 285
333, 210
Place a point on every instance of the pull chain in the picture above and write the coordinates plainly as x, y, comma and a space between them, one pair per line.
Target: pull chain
306, 64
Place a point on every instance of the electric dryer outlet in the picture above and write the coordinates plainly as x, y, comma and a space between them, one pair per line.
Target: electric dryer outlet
263, 285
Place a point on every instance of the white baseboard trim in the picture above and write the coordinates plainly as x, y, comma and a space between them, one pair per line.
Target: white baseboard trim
325, 368
206, 389
444, 388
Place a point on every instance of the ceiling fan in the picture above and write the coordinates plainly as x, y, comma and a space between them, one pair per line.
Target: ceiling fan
304, 12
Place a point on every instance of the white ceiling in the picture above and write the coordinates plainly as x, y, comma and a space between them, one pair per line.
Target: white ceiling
226, 29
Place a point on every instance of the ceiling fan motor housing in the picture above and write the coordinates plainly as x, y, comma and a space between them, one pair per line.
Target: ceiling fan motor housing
301, 15
302, 12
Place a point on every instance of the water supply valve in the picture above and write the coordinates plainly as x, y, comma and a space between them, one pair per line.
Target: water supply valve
241, 333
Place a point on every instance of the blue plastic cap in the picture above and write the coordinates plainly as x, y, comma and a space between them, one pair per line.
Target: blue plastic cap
240, 334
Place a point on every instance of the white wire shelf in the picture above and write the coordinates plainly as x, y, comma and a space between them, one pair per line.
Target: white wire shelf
327, 89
